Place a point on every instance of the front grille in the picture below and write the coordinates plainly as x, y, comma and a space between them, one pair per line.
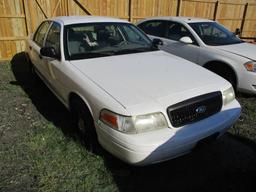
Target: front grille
195, 109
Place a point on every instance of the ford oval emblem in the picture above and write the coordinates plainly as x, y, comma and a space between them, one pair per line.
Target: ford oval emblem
201, 109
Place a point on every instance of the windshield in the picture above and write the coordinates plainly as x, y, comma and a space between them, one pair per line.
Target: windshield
214, 34
90, 40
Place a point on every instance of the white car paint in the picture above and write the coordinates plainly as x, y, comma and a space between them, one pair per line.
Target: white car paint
136, 84
235, 55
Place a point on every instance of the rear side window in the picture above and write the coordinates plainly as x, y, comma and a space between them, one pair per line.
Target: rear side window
155, 27
40, 33
53, 37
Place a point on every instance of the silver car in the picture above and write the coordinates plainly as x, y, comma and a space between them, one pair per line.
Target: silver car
208, 44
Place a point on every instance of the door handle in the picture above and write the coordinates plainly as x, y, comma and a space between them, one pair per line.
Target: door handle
30, 47
40, 56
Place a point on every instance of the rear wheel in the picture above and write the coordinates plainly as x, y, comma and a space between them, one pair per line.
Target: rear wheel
84, 124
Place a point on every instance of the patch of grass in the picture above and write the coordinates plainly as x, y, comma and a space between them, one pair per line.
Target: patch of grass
60, 164
5, 76
245, 126
5, 66
7, 87
56, 163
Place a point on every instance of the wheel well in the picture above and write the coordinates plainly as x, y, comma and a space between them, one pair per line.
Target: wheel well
221, 69
76, 103
73, 97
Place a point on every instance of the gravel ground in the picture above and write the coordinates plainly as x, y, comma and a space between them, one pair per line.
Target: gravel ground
38, 152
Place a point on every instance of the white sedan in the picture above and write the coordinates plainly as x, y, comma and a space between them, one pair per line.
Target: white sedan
208, 44
141, 104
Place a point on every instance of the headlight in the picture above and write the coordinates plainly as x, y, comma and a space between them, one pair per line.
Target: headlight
134, 124
228, 95
250, 66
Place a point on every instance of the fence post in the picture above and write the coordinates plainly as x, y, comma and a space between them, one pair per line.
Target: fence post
27, 16
67, 7
179, 3
243, 20
215, 10
130, 10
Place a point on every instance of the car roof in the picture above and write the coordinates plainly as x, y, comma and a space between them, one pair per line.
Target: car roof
68, 20
179, 19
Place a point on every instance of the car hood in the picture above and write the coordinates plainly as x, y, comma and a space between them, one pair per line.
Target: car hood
149, 77
246, 50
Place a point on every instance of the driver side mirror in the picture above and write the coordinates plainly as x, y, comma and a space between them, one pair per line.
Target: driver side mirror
49, 52
157, 42
186, 40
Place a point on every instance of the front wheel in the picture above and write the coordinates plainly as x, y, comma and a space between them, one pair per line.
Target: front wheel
232, 80
224, 72
85, 125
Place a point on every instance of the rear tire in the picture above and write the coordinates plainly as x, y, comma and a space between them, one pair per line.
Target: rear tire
84, 124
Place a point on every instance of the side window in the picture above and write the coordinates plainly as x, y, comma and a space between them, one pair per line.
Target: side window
175, 31
210, 30
53, 37
40, 33
155, 27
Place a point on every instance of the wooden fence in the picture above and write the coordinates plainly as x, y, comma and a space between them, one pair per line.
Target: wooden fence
18, 18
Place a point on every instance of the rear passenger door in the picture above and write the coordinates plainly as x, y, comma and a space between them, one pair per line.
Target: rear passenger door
36, 45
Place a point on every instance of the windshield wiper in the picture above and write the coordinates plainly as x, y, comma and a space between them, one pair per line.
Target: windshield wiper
91, 55
133, 50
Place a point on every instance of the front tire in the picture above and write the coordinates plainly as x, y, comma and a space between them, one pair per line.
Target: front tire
84, 124
225, 72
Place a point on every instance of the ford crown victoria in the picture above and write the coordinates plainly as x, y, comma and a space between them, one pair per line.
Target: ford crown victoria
141, 104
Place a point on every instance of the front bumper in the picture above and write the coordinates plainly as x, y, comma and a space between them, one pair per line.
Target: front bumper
160, 145
247, 82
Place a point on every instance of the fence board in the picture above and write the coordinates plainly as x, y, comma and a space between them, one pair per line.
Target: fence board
19, 18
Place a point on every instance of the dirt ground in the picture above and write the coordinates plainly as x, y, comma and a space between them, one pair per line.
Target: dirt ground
39, 152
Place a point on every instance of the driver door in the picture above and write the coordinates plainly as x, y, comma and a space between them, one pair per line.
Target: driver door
172, 44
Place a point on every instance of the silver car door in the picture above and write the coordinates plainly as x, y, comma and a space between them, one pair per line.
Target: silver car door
172, 44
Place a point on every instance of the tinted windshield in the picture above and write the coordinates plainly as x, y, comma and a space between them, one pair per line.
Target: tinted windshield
214, 34
104, 39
